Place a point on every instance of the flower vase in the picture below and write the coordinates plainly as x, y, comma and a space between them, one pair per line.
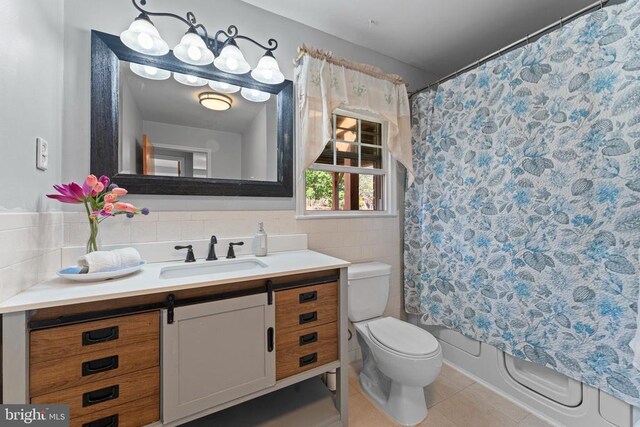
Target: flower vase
93, 243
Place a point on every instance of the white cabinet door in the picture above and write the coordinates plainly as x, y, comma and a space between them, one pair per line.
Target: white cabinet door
215, 352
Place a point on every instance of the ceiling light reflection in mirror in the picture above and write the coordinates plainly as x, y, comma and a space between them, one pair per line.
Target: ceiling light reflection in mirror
149, 72
254, 95
214, 101
189, 80
223, 87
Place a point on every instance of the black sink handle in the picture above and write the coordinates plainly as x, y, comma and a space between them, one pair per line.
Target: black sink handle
230, 252
190, 256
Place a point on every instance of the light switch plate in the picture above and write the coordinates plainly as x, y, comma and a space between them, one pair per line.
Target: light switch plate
42, 154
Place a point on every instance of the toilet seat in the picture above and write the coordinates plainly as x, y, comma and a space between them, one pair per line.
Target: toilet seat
402, 337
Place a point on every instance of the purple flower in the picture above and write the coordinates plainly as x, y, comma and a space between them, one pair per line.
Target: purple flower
144, 211
112, 186
71, 193
105, 181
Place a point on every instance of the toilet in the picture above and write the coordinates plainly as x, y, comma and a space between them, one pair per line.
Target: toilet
399, 359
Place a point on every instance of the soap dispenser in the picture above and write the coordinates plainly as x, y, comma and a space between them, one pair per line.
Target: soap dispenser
260, 241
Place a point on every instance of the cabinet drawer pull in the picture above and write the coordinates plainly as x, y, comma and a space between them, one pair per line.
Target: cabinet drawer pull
308, 359
110, 421
308, 297
99, 365
308, 317
308, 338
100, 335
99, 396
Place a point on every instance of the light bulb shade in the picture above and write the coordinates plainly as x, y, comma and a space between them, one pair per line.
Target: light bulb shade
189, 80
254, 95
149, 72
214, 101
143, 37
193, 50
268, 71
223, 87
231, 60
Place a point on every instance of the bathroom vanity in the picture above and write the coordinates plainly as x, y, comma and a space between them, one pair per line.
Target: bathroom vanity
178, 342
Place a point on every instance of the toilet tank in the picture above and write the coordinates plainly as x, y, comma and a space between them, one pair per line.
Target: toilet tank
368, 289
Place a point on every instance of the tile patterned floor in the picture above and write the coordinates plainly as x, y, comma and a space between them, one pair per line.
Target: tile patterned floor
454, 400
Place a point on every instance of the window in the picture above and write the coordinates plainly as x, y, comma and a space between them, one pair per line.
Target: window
352, 173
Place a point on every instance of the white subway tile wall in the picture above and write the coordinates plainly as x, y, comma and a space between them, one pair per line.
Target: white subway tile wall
351, 239
30, 243
29, 249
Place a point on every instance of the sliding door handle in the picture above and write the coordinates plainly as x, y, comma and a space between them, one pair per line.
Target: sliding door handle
270, 340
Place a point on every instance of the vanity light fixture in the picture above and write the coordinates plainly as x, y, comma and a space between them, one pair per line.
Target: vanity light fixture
268, 71
254, 95
231, 60
189, 80
142, 36
197, 48
214, 101
149, 72
192, 49
223, 87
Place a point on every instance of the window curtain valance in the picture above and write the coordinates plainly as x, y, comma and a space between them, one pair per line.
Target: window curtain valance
324, 84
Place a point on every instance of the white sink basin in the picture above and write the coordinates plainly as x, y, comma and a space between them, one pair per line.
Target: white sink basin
211, 267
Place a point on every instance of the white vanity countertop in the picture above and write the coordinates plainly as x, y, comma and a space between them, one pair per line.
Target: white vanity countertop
59, 292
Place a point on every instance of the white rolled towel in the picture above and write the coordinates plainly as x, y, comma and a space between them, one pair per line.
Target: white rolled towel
99, 261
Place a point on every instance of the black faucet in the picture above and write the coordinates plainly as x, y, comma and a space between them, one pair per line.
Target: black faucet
190, 256
212, 249
230, 252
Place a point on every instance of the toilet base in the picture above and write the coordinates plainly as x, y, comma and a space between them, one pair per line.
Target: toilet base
405, 405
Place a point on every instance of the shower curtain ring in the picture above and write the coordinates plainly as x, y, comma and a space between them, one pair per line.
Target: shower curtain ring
527, 39
561, 22
601, 4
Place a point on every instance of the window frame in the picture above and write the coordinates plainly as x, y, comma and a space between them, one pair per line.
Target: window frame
388, 171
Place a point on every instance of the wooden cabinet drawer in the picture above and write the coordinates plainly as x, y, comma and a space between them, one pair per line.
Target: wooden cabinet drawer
47, 377
299, 351
133, 414
88, 399
305, 307
82, 338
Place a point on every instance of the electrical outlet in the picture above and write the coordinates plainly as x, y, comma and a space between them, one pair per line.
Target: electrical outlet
42, 154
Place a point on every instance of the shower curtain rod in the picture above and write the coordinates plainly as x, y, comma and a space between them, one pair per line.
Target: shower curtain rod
597, 5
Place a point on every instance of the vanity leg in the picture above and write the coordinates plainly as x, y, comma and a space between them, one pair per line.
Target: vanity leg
342, 395
15, 357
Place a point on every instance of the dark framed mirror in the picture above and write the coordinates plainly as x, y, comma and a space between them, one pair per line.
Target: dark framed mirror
160, 134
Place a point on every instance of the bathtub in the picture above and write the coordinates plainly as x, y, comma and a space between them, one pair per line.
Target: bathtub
548, 394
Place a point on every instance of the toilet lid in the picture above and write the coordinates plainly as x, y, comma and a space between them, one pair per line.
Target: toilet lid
403, 337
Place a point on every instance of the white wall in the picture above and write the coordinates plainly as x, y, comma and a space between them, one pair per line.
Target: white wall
254, 147
226, 147
114, 16
31, 41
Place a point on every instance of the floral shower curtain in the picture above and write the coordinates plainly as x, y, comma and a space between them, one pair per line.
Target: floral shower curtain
522, 228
